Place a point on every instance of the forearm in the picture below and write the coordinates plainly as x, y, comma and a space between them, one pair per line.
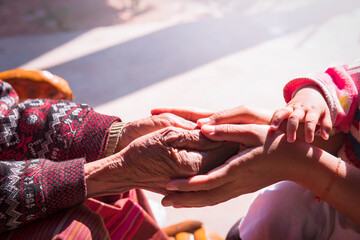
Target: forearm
101, 179
315, 172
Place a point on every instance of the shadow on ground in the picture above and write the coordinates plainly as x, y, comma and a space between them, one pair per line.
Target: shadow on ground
133, 65
130, 66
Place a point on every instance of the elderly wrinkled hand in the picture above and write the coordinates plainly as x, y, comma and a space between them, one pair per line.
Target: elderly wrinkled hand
141, 127
151, 161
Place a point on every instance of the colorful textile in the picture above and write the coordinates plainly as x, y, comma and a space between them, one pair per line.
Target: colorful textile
44, 145
128, 217
340, 86
121, 217
36, 137
78, 222
37, 188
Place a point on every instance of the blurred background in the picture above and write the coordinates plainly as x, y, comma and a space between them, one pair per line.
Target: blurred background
125, 57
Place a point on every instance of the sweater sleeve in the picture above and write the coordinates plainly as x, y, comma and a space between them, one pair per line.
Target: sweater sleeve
47, 129
38, 140
340, 87
37, 188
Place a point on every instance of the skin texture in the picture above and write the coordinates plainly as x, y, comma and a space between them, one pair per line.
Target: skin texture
241, 114
266, 157
308, 106
247, 171
269, 158
260, 157
248, 115
151, 161
136, 129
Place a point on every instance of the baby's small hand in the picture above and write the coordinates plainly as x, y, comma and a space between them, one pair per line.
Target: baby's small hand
309, 106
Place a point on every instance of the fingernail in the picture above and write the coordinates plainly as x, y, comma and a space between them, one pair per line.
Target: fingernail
326, 134
171, 187
203, 121
166, 203
274, 126
290, 139
208, 129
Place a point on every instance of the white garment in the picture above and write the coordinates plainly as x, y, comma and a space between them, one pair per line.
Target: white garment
286, 210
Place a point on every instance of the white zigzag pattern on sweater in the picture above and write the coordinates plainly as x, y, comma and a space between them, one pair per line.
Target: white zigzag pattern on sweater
13, 189
61, 112
8, 130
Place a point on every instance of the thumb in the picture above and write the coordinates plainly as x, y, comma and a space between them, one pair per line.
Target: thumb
250, 135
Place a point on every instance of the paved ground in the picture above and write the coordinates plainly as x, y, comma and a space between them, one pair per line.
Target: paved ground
209, 54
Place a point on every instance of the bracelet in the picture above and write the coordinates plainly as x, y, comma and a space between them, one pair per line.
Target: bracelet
113, 139
319, 199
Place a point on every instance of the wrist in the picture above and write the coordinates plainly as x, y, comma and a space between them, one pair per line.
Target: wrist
295, 158
124, 137
311, 167
309, 87
106, 176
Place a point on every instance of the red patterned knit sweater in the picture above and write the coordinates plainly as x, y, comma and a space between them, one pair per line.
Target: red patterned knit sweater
44, 145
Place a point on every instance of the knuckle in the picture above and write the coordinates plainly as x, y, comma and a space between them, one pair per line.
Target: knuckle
279, 112
311, 121
275, 119
293, 118
276, 116
170, 129
170, 133
221, 130
284, 111
166, 115
289, 108
190, 169
312, 107
244, 109
166, 119
218, 115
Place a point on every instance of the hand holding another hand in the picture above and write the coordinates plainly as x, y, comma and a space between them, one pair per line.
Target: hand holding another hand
151, 161
265, 161
138, 128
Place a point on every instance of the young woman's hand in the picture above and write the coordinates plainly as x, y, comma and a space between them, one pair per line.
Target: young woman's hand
262, 161
238, 115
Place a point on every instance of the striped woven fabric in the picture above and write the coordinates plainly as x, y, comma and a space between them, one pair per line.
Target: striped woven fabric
121, 217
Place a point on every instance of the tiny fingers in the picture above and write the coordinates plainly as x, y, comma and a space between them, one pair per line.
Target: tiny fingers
293, 124
311, 121
326, 126
280, 115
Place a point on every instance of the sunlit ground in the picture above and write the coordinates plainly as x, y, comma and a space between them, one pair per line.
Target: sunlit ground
207, 54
